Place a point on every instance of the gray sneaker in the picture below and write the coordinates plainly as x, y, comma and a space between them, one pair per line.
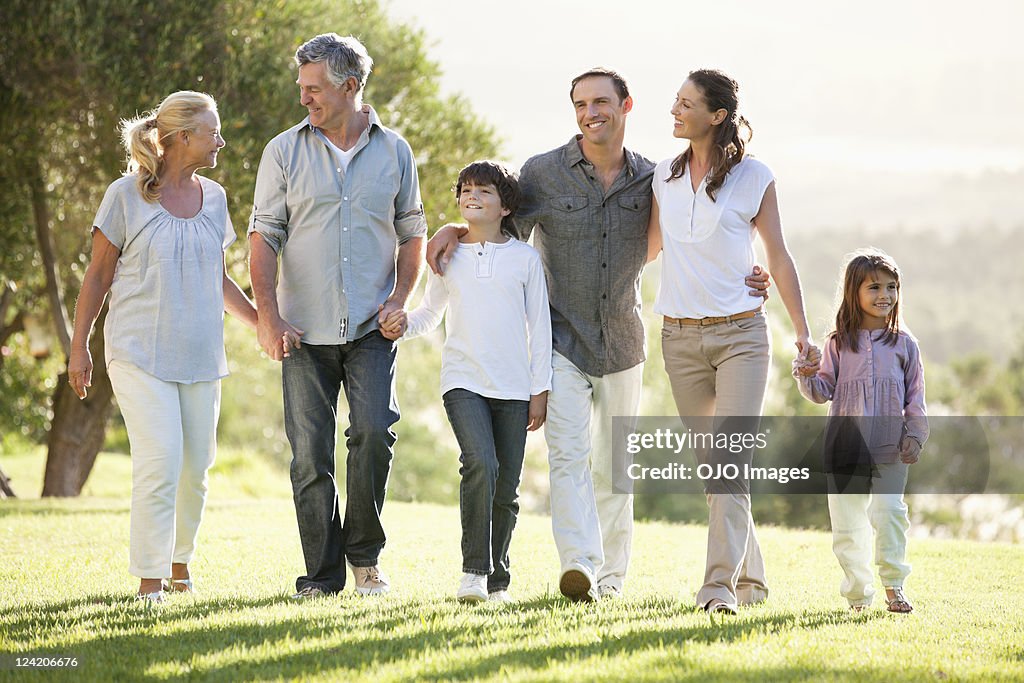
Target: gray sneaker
606, 591
500, 596
472, 588
309, 592
370, 580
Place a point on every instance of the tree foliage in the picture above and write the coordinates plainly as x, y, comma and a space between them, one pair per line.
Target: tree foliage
73, 69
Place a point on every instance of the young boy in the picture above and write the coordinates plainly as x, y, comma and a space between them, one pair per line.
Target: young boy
495, 367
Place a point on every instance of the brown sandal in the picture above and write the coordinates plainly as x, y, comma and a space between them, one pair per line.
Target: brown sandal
898, 603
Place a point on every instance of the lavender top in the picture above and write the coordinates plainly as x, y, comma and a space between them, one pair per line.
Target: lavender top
879, 381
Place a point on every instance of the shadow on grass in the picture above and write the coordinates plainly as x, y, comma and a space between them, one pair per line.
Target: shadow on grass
273, 637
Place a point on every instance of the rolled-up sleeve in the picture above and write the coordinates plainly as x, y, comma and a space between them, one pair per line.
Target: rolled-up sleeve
269, 215
527, 215
409, 219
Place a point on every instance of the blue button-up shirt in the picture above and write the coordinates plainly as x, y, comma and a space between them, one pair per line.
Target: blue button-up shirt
336, 232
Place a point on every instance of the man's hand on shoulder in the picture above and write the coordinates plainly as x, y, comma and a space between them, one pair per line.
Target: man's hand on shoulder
442, 245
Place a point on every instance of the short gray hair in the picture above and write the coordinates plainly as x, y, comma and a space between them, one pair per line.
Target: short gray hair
345, 57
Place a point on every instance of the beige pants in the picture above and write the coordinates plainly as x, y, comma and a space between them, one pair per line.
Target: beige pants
721, 371
592, 525
172, 429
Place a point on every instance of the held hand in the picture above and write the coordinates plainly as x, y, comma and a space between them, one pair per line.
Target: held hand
910, 450
80, 371
759, 282
394, 325
538, 411
441, 247
276, 337
808, 360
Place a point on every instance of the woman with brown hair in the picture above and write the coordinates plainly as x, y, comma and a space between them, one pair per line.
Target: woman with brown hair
711, 201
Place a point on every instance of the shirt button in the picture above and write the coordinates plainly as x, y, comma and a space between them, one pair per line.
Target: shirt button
345, 259
344, 229
604, 296
339, 170
345, 198
604, 234
604, 265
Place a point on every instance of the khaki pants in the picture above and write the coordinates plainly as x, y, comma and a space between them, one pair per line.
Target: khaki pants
721, 371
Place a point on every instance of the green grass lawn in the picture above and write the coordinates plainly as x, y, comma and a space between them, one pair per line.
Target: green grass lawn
65, 591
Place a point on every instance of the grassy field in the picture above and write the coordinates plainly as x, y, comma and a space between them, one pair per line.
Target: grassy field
66, 589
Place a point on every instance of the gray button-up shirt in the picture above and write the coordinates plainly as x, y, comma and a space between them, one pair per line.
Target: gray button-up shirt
594, 245
336, 232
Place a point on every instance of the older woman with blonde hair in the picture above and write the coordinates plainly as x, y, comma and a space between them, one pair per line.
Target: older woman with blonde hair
158, 243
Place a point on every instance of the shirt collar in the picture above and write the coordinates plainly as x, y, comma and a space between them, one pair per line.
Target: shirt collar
373, 118
574, 155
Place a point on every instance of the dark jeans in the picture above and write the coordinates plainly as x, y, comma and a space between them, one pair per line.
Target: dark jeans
492, 436
312, 378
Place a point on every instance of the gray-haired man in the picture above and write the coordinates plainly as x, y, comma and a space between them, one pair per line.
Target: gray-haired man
337, 197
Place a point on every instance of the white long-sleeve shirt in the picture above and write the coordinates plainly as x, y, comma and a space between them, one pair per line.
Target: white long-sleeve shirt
498, 327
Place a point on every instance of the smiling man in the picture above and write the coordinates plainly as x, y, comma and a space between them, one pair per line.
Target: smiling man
587, 204
337, 202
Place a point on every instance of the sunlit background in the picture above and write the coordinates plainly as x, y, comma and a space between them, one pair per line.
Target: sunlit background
890, 114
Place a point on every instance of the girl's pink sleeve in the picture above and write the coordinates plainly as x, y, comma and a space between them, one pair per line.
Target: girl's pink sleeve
915, 411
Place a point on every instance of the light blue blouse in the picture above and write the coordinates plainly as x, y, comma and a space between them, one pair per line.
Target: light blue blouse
167, 298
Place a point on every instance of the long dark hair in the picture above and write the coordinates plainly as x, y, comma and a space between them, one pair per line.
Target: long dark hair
849, 318
720, 92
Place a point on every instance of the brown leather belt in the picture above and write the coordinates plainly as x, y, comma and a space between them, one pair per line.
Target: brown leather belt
703, 322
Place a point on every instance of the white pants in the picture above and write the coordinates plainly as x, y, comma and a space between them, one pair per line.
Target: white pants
172, 429
592, 525
853, 516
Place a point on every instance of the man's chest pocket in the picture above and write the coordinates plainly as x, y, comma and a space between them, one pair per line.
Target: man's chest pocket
570, 217
634, 213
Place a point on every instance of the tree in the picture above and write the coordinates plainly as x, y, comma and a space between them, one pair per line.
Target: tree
74, 68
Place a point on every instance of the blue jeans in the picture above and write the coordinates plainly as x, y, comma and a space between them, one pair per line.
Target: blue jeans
312, 378
492, 436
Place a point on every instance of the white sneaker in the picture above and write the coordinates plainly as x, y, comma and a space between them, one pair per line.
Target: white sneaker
472, 588
500, 596
606, 591
370, 580
577, 584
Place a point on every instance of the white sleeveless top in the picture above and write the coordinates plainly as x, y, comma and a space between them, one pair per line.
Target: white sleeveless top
167, 298
708, 245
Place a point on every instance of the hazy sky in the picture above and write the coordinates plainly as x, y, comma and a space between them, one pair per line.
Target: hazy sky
867, 112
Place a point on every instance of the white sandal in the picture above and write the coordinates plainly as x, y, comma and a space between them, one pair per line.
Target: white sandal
178, 586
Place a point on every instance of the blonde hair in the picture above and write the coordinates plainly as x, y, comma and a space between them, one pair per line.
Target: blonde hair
146, 137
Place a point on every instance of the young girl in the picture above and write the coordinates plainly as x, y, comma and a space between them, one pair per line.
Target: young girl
495, 367
870, 369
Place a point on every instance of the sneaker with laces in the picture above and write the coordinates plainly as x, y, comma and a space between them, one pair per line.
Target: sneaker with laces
606, 591
307, 592
370, 580
472, 588
577, 584
500, 596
